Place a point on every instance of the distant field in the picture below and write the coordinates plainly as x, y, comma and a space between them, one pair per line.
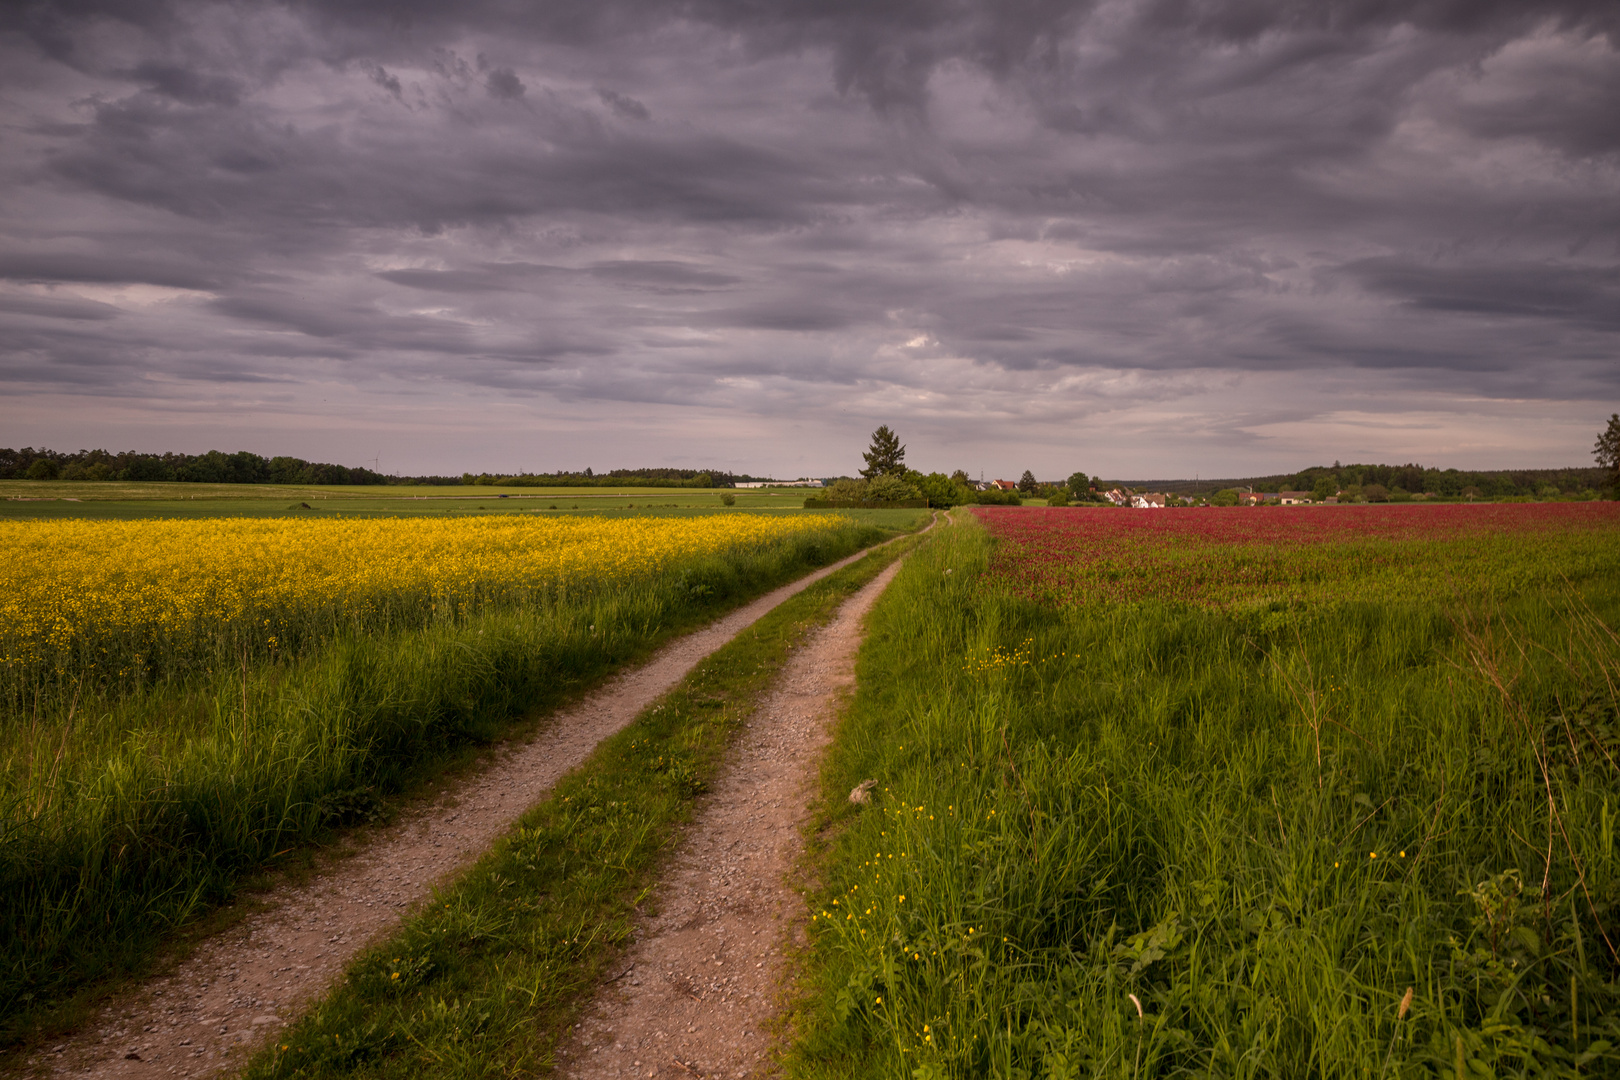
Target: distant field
38, 499
1232, 794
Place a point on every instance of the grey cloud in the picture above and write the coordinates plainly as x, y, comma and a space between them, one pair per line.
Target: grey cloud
1026, 208
796, 316
106, 268
504, 85
450, 281
187, 86
1589, 295
662, 274
627, 108
379, 75
51, 307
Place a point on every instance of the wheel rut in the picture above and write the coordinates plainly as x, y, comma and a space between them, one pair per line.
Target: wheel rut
235, 991
701, 986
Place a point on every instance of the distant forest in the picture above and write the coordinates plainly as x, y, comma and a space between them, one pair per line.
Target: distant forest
243, 467
1400, 480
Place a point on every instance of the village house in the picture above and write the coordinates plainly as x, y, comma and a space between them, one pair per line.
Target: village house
1153, 500
1294, 498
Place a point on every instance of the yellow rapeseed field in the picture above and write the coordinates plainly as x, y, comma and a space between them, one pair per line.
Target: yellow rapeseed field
106, 597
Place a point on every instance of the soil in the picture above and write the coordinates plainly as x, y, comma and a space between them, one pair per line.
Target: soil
701, 987
235, 991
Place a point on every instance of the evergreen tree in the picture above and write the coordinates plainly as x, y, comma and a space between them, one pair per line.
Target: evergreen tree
1026, 483
886, 457
1607, 452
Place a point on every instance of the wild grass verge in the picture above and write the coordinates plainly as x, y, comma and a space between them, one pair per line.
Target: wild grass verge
485, 980
1157, 840
121, 823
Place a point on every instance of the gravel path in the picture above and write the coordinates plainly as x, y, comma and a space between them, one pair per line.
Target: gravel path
703, 979
242, 987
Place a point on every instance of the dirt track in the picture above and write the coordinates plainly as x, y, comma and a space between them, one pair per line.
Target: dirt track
703, 978
241, 987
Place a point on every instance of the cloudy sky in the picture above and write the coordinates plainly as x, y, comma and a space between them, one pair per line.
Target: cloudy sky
1139, 238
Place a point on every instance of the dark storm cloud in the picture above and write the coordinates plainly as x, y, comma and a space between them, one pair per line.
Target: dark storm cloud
187, 86
105, 268
627, 107
504, 84
662, 275
995, 205
1590, 296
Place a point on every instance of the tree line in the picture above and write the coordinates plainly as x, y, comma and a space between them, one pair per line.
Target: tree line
1379, 483
675, 478
213, 467
245, 467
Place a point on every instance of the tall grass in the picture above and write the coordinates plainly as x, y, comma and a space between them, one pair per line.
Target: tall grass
1156, 840
487, 980
121, 818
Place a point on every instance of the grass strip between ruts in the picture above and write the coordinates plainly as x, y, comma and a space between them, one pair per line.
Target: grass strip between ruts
485, 979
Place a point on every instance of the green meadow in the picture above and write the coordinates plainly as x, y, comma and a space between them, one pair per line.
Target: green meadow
1164, 839
138, 499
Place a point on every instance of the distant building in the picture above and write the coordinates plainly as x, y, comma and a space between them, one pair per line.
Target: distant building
1294, 498
1153, 500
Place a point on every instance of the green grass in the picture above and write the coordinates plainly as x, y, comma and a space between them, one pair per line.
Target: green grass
487, 978
1265, 831
124, 819
125, 500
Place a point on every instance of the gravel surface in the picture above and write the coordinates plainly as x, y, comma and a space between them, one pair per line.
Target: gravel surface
703, 981
240, 988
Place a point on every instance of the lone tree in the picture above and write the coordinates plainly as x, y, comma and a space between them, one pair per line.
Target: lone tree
1026, 483
886, 457
1607, 451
